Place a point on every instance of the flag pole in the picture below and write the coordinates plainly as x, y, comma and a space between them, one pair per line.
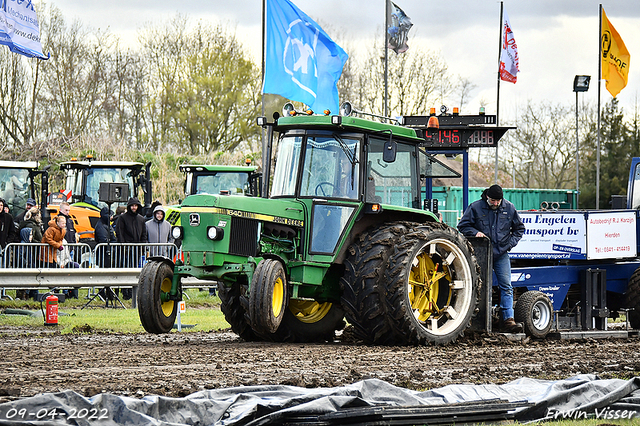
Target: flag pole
386, 58
598, 135
498, 93
265, 162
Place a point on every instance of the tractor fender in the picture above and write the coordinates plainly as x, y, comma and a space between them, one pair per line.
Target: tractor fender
162, 259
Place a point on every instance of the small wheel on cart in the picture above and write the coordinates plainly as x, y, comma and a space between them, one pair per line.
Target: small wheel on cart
535, 311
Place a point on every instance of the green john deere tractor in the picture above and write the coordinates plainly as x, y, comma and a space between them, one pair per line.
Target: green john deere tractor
341, 235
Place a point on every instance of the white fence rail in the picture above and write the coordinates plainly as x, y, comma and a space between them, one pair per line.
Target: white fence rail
30, 266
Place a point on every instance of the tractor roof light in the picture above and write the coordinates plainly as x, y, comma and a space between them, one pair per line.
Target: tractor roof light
432, 111
261, 121
336, 120
288, 110
309, 111
327, 112
433, 123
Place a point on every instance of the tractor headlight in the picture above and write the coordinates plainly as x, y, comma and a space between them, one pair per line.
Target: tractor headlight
177, 232
215, 233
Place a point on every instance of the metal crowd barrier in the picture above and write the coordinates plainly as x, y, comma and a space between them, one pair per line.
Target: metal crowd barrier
27, 266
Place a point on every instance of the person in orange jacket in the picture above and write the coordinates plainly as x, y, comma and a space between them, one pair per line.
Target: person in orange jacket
54, 235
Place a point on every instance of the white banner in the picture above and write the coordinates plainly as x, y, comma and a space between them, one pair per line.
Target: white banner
611, 235
552, 235
20, 29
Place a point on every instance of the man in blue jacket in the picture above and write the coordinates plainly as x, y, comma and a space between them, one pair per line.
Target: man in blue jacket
495, 218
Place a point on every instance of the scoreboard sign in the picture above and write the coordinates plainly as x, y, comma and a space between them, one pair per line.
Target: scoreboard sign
448, 138
459, 131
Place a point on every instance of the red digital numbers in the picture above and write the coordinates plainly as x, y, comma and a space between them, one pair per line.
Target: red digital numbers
449, 137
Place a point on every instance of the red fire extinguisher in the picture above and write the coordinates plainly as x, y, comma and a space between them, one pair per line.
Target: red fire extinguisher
51, 313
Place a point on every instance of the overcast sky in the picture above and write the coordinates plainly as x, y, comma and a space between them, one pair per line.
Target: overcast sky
556, 39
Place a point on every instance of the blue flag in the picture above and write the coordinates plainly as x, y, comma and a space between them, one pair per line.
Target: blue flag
303, 64
19, 28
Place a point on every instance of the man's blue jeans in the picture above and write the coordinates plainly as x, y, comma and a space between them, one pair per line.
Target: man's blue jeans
502, 268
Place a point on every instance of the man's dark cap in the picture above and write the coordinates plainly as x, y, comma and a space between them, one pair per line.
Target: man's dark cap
31, 202
495, 192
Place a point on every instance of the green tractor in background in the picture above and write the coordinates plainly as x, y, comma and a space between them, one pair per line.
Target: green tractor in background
214, 180
341, 235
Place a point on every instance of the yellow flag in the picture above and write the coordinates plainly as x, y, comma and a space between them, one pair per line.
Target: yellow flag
615, 58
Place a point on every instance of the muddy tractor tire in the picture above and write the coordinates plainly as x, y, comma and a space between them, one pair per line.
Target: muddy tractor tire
535, 311
230, 294
363, 294
432, 286
411, 284
632, 296
268, 297
157, 313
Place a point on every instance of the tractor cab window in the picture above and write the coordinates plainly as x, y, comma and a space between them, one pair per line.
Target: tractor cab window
286, 170
237, 183
331, 168
94, 176
14, 189
391, 183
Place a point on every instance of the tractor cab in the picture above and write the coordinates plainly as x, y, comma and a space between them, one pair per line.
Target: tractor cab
18, 183
219, 179
83, 189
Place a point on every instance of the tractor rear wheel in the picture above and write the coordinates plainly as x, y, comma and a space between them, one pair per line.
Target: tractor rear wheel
431, 285
268, 296
535, 311
363, 293
157, 313
307, 321
230, 294
632, 296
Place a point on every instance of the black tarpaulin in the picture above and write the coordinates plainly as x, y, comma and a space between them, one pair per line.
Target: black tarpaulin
525, 399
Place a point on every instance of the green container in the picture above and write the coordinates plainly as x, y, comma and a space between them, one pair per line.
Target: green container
450, 199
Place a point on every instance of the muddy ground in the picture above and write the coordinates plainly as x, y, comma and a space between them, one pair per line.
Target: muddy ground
177, 364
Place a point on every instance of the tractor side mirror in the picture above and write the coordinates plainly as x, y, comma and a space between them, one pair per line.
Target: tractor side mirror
390, 149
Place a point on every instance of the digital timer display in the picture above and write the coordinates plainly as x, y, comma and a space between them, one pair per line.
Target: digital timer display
463, 138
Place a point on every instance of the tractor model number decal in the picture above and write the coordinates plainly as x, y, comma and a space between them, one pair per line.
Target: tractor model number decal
249, 215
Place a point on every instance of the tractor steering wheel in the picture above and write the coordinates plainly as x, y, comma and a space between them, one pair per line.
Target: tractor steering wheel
320, 189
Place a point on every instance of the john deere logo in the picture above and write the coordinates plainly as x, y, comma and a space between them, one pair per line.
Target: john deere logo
606, 44
194, 219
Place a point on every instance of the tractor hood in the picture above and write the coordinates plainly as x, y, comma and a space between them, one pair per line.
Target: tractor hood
284, 211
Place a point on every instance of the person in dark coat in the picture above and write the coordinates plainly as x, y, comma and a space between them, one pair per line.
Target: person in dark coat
104, 235
495, 218
33, 220
131, 228
7, 229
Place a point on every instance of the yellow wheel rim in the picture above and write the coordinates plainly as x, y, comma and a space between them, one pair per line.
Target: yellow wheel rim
278, 297
167, 307
440, 287
424, 288
309, 311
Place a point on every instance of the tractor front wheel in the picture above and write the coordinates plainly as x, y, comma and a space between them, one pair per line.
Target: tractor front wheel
157, 313
268, 297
